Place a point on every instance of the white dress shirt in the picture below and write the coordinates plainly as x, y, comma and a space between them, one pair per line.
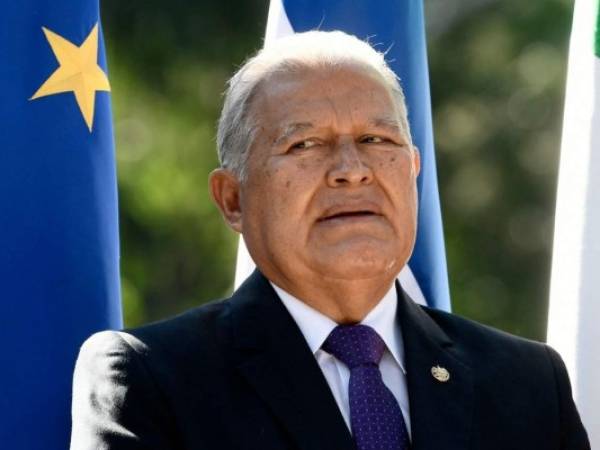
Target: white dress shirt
316, 327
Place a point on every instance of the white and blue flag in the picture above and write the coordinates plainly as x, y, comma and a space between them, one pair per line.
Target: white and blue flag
397, 27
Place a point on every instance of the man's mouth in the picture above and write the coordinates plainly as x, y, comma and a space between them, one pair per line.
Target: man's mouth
350, 212
346, 214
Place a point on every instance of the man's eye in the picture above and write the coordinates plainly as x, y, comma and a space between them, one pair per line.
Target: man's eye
301, 145
372, 140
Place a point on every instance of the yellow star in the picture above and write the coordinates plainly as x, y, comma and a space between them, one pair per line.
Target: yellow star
78, 71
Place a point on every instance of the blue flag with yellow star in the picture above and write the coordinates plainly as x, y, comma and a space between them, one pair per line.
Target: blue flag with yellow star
58, 211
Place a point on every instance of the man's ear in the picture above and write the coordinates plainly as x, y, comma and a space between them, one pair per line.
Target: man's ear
417, 160
225, 189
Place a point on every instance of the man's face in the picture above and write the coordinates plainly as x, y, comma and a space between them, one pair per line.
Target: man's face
330, 188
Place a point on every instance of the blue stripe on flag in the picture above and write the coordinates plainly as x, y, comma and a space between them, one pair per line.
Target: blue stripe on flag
58, 223
397, 26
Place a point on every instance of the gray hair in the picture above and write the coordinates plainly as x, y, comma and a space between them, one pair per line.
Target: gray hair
312, 49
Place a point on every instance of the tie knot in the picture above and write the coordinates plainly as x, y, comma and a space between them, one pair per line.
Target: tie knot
355, 345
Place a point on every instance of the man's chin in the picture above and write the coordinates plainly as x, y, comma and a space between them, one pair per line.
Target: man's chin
360, 262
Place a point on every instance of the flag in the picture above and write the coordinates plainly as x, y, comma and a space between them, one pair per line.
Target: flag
58, 212
574, 314
395, 26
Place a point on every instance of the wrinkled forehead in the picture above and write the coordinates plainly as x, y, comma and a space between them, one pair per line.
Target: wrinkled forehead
291, 92
296, 73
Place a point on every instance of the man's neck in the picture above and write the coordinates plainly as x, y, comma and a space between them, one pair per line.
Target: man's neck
344, 301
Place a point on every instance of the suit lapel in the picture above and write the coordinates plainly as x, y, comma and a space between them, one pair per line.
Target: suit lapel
275, 359
440, 412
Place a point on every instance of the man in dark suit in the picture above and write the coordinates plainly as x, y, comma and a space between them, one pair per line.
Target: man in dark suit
320, 348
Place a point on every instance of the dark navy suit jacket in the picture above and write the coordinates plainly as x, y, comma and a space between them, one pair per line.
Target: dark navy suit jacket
238, 374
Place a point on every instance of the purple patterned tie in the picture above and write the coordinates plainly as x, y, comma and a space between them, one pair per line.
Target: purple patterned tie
375, 417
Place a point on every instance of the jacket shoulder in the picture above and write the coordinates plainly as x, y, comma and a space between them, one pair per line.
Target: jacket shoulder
531, 373
195, 342
191, 327
478, 337
499, 358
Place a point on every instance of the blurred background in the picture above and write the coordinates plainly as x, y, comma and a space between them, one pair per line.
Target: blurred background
497, 71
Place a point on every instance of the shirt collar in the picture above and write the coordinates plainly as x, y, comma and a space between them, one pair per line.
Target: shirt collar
316, 326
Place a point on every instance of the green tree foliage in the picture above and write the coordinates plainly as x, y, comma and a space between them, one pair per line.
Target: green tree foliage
168, 66
497, 75
497, 88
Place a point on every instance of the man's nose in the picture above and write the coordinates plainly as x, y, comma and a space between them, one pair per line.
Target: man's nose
349, 169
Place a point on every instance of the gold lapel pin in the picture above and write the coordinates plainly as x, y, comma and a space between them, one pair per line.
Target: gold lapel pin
440, 373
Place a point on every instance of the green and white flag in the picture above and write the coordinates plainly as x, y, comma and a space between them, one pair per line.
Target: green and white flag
574, 316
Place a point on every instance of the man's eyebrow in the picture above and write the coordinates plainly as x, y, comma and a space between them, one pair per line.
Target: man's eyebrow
387, 123
292, 129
